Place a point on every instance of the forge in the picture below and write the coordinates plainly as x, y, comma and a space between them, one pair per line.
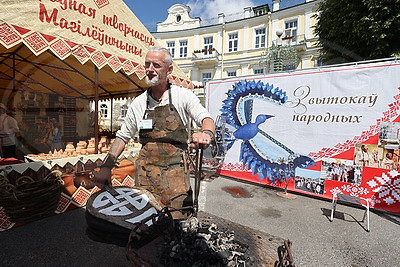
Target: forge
132, 218
209, 240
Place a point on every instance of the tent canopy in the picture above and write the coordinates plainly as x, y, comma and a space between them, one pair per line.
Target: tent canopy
54, 46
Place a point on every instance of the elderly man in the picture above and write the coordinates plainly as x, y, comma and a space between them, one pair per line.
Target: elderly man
362, 157
8, 129
162, 116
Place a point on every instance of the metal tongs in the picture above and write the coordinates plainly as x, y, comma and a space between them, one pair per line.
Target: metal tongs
197, 179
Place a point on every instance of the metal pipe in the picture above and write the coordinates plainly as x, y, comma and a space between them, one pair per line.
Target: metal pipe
96, 109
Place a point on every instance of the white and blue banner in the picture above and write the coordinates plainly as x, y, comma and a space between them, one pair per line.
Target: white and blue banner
270, 127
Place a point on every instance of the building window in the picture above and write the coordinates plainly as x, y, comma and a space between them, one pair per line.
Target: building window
233, 42
289, 67
208, 45
183, 48
205, 77
178, 18
171, 48
232, 73
104, 110
319, 62
291, 30
260, 38
258, 71
124, 110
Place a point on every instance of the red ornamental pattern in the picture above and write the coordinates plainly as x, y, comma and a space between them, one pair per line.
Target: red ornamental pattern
140, 72
4, 221
36, 43
115, 182
114, 63
99, 59
101, 3
386, 187
129, 181
63, 203
61, 49
128, 67
381, 186
11, 35
81, 54
8, 36
388, 115
81, 196
95, 189
234, 167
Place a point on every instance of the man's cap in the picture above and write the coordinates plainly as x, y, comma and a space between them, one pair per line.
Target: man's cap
3, 106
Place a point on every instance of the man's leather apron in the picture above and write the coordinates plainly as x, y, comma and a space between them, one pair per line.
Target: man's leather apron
162, 164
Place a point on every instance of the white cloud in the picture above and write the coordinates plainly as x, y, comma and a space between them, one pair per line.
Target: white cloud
209, 9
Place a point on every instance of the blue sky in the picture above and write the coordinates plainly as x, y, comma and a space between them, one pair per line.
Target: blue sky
153, 11
308, 173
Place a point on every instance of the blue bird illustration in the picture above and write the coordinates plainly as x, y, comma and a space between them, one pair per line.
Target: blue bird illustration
259, 151
248, 131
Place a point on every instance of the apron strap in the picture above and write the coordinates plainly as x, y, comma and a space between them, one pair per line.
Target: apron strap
169, 96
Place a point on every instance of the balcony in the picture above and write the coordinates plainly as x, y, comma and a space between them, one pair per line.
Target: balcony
199, 90
205, 56
298, 41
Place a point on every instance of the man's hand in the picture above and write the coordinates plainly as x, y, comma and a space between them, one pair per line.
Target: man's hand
102, 177
200, 140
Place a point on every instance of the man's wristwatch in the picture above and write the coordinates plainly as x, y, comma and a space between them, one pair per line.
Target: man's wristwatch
210, 133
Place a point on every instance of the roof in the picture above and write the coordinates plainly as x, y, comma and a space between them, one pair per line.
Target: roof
55, 46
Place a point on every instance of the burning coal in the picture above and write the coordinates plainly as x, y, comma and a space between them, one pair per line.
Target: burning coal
198, 243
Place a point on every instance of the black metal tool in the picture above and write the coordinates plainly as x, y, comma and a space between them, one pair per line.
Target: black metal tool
197, 176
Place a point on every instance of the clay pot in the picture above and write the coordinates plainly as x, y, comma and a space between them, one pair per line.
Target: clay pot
104, 148
84, 178
82, 144
69, 184
90, 148
83, 151
103, 139
69, 149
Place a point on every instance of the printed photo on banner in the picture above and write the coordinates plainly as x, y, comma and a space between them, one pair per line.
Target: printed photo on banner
341, 170
309, 181
389, 135
374, 156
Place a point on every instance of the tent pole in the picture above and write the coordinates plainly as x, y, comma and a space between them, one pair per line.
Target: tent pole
13, 72
10, 100
96, 109
112, 111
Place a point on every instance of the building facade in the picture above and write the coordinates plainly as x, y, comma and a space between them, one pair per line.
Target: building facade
112, 112
238, 45
231, 45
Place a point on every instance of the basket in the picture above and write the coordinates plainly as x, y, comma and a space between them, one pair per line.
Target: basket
28, 199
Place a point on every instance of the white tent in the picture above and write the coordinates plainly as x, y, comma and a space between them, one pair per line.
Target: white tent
73, 47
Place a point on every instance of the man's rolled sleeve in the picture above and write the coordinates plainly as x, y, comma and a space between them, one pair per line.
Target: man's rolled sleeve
196, 109
128, 128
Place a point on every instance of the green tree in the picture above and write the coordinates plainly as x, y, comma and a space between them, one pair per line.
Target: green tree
354, 30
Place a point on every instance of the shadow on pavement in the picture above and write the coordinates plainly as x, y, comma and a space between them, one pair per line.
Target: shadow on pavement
57, 241
390, 217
